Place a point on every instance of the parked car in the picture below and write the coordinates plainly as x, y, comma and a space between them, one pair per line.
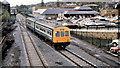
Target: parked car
118, 52
115, 49
49, 18
115, 42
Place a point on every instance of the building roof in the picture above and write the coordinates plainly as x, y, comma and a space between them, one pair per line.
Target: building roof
5, 2
69, 6
83, 8
40, 11
54, 11
87, 0
81, 12
90, 5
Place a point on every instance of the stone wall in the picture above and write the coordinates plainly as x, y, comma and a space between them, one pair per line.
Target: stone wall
102, 35
108, 12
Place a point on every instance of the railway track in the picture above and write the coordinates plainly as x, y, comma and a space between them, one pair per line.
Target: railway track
77, 60
86, 61
74, 58
32, 52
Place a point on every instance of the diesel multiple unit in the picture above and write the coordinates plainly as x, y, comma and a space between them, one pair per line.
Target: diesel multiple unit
59, 36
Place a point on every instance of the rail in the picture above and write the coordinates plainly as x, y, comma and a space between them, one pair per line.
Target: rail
75, 56
2, 41
27, 48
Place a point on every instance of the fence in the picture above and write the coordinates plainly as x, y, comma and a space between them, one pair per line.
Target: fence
99, 27
95, 38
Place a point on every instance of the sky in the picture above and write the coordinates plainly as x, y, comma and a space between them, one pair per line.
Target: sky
28, 2
25, 2
91, 0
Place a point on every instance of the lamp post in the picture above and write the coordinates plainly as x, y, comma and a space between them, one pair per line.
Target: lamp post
118, 7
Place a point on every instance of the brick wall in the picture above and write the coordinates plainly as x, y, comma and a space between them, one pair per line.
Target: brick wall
102, 35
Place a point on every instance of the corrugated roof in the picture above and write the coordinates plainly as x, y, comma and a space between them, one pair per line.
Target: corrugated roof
83, 8
40, 11
55, 11
90, 5
82, 12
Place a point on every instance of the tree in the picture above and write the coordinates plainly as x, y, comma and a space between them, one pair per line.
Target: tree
5, 16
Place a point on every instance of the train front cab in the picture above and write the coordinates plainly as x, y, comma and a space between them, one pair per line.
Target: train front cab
61, 36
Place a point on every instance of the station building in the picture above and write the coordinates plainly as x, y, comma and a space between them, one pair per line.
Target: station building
5, 6
82, 11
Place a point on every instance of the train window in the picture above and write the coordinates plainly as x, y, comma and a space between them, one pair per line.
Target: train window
66, 33
44, 30
29, 23
62, 33
50, 33
57, 34
37, 27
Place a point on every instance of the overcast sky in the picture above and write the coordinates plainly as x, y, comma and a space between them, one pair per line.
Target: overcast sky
28, 2
25, 2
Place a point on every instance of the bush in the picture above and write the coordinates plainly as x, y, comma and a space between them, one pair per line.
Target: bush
5, 16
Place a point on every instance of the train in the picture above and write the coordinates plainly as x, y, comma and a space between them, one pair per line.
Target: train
59, 36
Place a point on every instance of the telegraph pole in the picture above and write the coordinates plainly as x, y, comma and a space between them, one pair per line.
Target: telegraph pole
42, 3
118, 7
58, 3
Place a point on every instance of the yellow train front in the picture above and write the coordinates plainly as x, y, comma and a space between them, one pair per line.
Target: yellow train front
61, 36
58, 36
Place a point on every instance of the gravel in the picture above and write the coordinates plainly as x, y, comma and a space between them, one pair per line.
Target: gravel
12, 58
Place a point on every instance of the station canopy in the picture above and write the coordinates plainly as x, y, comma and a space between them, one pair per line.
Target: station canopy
90, 5
82, 8
81, 12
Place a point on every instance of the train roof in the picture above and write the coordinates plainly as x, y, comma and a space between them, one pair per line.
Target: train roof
50, 23
47, 23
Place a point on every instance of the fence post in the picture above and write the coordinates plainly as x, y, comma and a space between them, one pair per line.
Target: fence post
81, 34
100, 41
107, 40
76, 30
92, 38
86, 36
